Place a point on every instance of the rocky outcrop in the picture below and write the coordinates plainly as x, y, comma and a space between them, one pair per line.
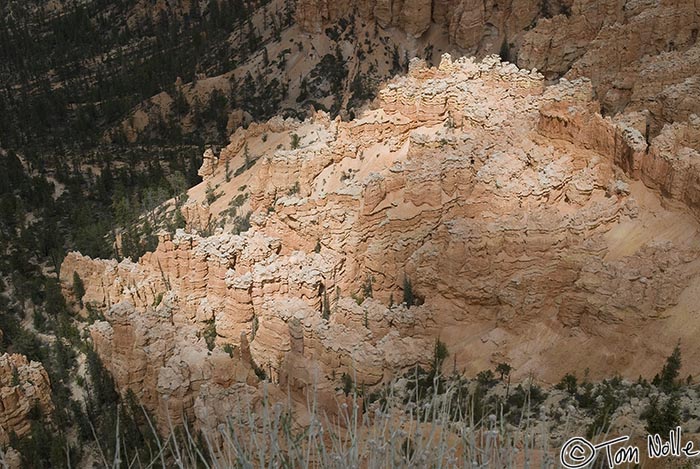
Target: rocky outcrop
24, 386
471, 25
673, 163
669, 165
510, 215
639, 55
168, 366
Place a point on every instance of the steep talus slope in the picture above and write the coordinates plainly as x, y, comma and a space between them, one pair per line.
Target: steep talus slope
509, 213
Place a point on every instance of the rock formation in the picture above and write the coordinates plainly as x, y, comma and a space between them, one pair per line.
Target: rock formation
639, 55
24, 386
519, 222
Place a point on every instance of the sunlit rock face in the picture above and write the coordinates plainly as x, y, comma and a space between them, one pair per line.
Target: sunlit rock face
520, 222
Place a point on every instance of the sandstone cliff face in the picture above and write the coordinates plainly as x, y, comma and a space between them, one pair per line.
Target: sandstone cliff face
23, 385
527, 224
475, 26
673, 163
639, 55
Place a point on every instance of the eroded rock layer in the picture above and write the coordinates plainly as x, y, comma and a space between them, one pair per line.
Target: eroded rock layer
519, 222
24, 387
639, 55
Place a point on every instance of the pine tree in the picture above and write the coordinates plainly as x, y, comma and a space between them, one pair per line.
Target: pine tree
670, 371
78, 288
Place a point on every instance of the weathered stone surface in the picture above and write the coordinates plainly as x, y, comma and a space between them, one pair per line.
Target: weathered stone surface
527, 223
23, 385
639, 55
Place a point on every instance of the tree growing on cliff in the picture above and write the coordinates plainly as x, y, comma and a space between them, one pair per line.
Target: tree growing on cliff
662, 419
78, 288
440, 353
503, 369
667, 379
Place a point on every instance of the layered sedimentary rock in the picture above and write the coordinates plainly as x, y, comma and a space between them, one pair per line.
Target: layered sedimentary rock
471, 25
673, 163
639, 55
515, 220
24, 386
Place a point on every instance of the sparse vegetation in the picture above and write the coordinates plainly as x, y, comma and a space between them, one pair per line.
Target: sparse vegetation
294, 189
78, 288
209, 334
367, 287
158, 299
386, 436
667, 380
504, 370
348, 384
211, 194
241, 224
662, 418
249, 162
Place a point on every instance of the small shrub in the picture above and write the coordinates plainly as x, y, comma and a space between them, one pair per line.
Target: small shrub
504, 370
211, 194
241, 224
485, 378
568, 383
661, 420
440, 353
367, 287
347, 384
259, 372
254, 328
248, 163
209, 334
158, 299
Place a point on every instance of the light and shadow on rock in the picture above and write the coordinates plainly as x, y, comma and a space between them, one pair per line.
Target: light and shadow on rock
531, 230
